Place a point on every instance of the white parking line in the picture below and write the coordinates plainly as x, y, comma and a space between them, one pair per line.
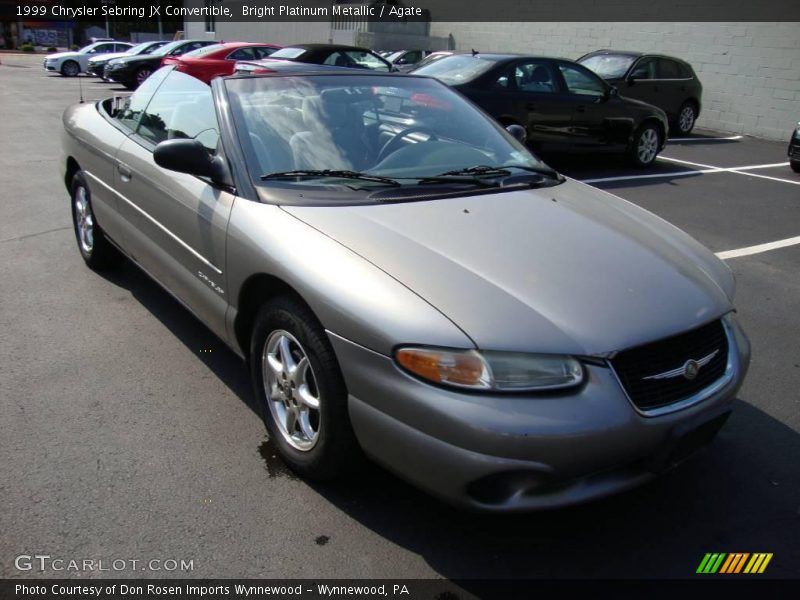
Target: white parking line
758, 249
717, 139
703, 169
654, 175
737, 170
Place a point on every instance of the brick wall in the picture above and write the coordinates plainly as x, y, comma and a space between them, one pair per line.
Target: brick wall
750, 71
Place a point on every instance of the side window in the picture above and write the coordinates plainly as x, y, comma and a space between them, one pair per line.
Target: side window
645, 69
132, 111
121, 47
411, 58
182, 107
263, 52
668, 69
533, 76
366, 60
581, 82
242, 54
103, 48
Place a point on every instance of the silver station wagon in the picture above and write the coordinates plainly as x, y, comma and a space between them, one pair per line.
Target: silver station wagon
406, 281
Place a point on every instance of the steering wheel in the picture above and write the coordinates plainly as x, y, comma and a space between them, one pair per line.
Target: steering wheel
391, 145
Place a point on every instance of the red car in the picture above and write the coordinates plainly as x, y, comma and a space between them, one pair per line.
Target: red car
218, 59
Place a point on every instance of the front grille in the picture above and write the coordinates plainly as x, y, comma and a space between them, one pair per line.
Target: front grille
634, 365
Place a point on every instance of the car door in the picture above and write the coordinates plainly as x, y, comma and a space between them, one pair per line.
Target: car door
178, 222
642, 81
588, 98
527, 91
672, 86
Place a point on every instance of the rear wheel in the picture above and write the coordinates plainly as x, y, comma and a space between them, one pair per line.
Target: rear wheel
141, 75
686, 118
302, 393
795, 164
96, 250
645, 145
70, 69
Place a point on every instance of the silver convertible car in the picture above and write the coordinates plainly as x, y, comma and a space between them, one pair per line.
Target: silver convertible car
406, 281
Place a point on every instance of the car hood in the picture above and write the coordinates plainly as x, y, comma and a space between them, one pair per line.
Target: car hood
106, 57
566, 269
63, 55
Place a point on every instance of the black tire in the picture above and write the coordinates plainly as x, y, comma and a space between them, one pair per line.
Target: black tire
70, 68
687, 115
100, 254
335, 451
141, 74
647, 135
795, 164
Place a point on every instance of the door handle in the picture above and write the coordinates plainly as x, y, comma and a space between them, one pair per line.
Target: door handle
580, 108
124, 171
531, 107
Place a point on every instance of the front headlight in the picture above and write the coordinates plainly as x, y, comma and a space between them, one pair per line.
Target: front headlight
491, 371
797, 133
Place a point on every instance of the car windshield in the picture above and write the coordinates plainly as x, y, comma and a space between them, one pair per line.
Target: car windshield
138, 48
204, 50
457, 68
366, 131
167, 48
608, 66
288, 53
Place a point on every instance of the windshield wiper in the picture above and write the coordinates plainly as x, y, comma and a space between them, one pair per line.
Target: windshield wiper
343, 174
500, 171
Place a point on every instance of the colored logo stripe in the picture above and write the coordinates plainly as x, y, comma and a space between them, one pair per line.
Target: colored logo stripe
721, 562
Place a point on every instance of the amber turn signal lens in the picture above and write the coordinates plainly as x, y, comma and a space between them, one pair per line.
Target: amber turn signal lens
440, 366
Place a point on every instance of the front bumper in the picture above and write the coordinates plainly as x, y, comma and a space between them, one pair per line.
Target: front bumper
119, 75
95, 70
507, 453
51, 65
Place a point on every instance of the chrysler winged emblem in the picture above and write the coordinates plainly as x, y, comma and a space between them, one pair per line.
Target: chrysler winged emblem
689, 370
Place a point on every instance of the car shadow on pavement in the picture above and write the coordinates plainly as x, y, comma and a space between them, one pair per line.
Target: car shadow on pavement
228, 367
740, 494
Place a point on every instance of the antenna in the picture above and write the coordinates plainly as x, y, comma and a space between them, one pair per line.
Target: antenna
80, 87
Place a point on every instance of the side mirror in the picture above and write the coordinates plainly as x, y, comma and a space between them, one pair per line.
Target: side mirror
612, 92
517, 132
190, 156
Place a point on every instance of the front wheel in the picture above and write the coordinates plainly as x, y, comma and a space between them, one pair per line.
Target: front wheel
646, 143
795, 164
141, 75
302, 393
96, 250
70, 69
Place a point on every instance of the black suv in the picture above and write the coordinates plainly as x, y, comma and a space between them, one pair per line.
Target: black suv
663, 81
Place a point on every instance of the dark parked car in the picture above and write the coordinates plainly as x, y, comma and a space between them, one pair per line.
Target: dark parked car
663, 81
794, 150
334, 55
560, 103
97, 64
131, 71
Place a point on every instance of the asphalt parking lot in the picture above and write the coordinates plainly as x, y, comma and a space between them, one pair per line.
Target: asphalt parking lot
129, 430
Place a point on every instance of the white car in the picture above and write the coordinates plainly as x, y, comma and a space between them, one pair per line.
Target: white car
71, 64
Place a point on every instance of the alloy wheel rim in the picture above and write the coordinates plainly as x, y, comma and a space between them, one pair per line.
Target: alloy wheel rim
648, 145
71, 69
84, 220
686, 118
142, 75
291, 390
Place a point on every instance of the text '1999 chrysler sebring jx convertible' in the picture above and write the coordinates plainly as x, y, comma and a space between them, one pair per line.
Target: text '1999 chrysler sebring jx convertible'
407, 281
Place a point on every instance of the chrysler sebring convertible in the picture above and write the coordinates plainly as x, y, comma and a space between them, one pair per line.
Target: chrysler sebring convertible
406, 281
